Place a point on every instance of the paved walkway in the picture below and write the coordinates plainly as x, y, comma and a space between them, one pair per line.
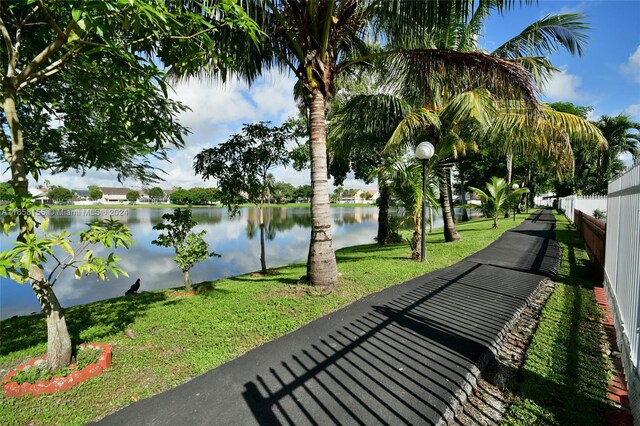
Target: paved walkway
401, 356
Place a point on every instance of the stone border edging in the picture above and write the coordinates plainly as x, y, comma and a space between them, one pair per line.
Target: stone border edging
57, 384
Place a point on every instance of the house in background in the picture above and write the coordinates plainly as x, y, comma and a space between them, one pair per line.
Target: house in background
39, 195
113, 195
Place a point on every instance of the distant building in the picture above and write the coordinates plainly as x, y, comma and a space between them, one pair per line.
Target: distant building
114, 195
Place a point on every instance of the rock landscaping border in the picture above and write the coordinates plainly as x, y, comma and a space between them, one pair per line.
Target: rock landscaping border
57, 384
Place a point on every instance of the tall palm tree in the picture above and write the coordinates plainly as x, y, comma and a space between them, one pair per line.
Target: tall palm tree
617, 132
378, 112
319, 39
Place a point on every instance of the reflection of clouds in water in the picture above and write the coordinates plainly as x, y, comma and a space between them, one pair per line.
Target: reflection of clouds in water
226, 235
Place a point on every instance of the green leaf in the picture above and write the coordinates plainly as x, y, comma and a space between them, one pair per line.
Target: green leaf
76, 14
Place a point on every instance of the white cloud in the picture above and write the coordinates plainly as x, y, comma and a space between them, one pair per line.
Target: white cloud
632, 67
633, 111
564, 86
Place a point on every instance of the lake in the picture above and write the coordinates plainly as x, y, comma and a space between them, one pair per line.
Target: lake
236, 238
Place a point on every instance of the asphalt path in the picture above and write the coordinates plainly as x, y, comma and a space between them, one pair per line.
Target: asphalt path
406, 355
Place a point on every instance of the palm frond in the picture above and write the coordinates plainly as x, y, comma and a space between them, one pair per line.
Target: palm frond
412, 125
547, 35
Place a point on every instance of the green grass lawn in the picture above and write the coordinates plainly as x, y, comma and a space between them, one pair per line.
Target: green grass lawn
565, 375
181, 337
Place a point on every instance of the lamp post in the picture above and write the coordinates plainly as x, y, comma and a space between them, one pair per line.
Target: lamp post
424, 151
514, 187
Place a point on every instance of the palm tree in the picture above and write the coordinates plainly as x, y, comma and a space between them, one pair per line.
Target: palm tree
373, 115
404, 178
616, 130
319, 39
499, 197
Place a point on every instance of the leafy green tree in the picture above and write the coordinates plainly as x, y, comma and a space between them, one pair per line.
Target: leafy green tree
59, 194
180, 196
498, 197
80, 91
94, 193
283, 192
242, 165
319, 39
201, 196
189, 246
303, 192
39, 248
6, 191
132, 196
156, 194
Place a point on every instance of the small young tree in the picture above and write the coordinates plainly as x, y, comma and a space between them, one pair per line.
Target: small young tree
132, 196
25, 263
156, 194
241, 166
190, 247
59, 194
95, 193
498, 199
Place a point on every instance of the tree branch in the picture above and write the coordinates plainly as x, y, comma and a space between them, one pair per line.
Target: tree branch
11, 67
51, 69
44, 55
51, 22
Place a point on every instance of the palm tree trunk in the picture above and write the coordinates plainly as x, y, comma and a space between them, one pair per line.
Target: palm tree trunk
450, 194
58, 339
321, 266
263, 261
383, 213
450, 231
509, 172
187, 279
463, 197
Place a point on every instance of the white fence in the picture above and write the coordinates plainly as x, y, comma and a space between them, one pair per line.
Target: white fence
586, 205
622, 272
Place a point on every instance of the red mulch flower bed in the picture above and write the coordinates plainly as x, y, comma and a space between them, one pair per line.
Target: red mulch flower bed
57, 384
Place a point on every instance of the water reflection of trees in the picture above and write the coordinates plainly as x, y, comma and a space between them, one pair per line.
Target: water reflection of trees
276, 219
353, 216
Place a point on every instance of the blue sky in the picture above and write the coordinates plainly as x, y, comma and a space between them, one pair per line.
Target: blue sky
606, 77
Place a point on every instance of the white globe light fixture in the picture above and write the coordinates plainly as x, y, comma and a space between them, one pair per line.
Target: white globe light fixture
424, 151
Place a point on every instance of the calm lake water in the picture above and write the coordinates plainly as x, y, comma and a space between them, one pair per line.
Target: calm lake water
237, 239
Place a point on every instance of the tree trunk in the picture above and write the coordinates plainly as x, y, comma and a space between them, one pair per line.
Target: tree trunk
263, 261
187, 279
383, 214
58, 339
321, 266
416, 247
509, 172
463, 196
450, 231
450, 194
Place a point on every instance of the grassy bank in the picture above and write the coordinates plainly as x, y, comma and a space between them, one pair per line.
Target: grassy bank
564, 379
181, 337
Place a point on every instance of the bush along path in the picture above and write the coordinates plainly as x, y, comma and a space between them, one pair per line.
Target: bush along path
408, 354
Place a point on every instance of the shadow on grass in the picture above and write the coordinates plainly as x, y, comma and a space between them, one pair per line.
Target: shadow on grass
575, 389
104, 318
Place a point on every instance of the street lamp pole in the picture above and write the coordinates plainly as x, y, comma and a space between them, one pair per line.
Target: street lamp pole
424, 151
